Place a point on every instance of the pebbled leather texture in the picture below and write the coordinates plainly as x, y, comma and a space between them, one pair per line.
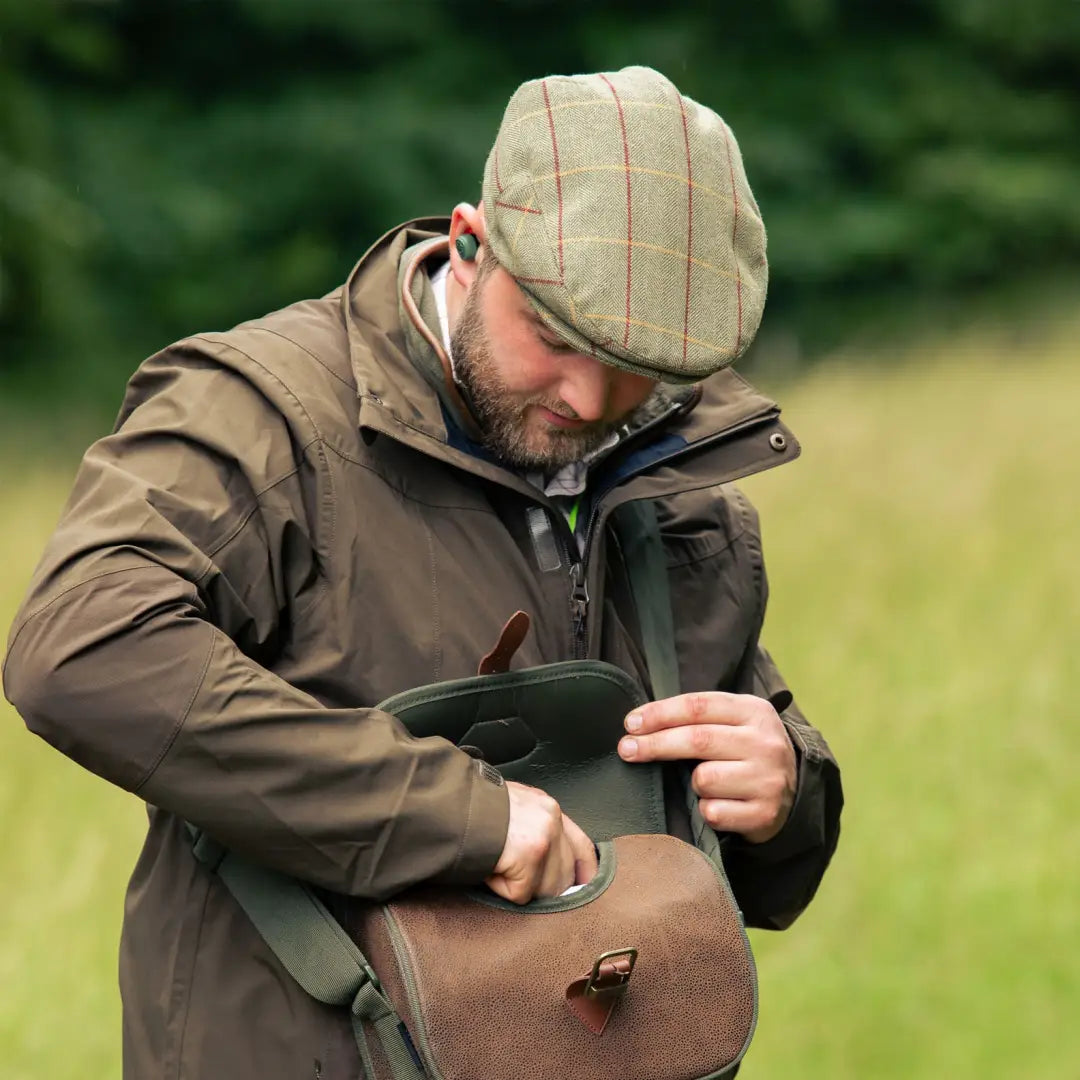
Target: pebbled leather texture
483, 987
555, 727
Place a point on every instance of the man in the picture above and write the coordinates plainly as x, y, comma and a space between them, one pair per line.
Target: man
300, 517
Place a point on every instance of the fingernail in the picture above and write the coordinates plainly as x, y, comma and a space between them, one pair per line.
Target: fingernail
633, 722
628, 747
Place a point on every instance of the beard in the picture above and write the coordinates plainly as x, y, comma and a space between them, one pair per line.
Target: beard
502, 415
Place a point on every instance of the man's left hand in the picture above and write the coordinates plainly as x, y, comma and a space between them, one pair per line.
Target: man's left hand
746, 775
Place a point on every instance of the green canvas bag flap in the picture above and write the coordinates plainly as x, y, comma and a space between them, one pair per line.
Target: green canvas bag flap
555, 727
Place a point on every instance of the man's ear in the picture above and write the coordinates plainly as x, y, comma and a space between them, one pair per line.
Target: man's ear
466, 219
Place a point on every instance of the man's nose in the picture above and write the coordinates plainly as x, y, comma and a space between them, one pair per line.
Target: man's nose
585, 386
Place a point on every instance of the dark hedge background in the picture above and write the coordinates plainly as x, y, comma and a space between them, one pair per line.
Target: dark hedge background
168, 166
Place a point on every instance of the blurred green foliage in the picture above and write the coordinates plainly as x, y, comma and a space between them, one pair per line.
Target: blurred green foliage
174, 165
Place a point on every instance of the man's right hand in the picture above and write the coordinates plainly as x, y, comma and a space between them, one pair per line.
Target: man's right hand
545, 852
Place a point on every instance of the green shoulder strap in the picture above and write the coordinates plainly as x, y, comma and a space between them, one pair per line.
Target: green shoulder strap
643, 551
315, 951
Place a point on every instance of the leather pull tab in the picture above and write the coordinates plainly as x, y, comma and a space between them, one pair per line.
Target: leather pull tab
513, 634
592, 997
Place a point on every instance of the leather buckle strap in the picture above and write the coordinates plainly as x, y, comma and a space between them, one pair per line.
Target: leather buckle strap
592, 998
611, 972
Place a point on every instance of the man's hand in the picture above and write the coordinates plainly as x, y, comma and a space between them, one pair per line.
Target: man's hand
747, 772
545, 852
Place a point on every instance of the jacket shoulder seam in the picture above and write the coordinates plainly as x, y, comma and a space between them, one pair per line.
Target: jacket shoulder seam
285, 476
318, 438
273, 375
390, 484
318, 360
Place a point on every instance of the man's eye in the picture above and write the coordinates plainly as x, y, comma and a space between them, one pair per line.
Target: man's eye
556, 344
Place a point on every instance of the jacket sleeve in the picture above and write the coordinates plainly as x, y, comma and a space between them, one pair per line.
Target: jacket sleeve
136, 652
773, 882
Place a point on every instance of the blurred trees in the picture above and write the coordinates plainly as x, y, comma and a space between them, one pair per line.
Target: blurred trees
174, 165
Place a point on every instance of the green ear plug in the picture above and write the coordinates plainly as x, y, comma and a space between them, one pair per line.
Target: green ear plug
467, 246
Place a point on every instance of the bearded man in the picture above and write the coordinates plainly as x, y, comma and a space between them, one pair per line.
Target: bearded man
318, 509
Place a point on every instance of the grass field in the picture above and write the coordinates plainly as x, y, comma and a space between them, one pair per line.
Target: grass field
926, 609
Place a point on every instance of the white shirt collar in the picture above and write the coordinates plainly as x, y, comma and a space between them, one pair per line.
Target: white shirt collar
438, 288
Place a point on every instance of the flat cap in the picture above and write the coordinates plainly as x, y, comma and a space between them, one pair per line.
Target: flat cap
623, 210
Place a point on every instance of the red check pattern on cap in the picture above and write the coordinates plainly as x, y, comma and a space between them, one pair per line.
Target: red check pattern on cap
623, 209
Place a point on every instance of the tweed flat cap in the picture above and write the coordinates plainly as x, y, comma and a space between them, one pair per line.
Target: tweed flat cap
623, 210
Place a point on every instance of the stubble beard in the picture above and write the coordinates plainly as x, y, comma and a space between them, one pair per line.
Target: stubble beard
503, 416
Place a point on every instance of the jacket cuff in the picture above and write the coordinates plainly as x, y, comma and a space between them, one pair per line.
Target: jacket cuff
803, 829
486, 824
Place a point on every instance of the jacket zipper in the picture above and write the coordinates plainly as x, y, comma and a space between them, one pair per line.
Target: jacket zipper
579, 610
579, 590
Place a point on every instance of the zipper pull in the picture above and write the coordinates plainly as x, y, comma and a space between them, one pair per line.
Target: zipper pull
579, 607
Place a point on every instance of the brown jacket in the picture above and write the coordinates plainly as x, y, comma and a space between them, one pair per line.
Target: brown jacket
282, 531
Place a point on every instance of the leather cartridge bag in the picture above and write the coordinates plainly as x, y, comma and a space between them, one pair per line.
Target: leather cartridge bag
644, 973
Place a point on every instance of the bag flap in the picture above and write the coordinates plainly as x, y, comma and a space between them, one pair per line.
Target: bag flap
555, 727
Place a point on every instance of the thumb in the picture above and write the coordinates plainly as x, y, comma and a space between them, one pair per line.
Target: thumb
585, 862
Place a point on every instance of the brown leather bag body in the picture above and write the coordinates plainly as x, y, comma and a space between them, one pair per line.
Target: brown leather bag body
643, 974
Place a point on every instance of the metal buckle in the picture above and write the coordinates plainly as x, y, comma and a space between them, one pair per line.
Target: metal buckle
610, 982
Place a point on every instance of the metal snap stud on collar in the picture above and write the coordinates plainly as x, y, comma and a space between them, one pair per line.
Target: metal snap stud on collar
777, 441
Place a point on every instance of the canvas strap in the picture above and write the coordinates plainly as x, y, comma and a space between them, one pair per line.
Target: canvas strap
314, 950
646, 566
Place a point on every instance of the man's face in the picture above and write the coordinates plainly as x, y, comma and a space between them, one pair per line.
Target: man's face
539, 403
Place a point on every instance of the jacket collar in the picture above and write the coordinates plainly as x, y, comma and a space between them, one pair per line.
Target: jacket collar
405, 403
419, 317
371, 301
